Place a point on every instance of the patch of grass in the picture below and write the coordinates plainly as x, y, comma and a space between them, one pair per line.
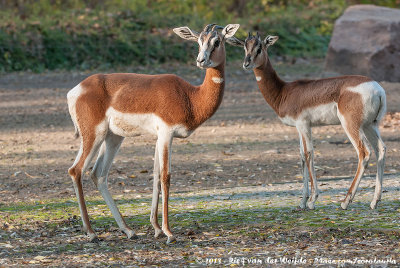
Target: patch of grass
186, 211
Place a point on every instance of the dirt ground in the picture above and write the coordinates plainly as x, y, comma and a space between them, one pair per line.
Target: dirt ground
242, 145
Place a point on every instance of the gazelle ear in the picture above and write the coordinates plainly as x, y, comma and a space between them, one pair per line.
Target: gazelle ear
186, 33
270, 40
235, 41
230, 30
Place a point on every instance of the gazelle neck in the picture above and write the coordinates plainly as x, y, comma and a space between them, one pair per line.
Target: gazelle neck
209, 95
269, 84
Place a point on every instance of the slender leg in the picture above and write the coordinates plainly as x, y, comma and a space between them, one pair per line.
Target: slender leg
356, 136
304, 170
164, 150
305, 135
98, 165
89, 146
374, 138
156, 193
100, 175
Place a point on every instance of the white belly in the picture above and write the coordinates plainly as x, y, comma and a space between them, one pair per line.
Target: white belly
130, 125
325, 114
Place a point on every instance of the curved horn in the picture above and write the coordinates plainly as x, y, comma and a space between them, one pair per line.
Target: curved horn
248, 36
208, 27
216, 27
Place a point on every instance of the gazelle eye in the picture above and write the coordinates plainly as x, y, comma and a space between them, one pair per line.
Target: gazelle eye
216, 44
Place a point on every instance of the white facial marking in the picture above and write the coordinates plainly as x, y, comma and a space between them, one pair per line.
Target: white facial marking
217, 80
258, 78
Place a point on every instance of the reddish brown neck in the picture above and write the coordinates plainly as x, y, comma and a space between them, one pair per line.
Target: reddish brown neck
208, 96
270, 84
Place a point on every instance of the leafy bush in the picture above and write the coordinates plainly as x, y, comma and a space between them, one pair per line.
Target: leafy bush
87, 34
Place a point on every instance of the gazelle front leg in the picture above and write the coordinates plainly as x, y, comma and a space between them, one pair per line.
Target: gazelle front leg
164, 153
304, 130
156, 193
304, 171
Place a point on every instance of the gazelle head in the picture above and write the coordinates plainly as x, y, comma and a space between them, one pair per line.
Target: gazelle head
255, 49
211, 42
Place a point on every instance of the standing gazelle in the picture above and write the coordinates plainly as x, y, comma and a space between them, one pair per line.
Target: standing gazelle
356, 102
105, 108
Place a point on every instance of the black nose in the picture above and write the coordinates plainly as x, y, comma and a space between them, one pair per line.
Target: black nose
201, 61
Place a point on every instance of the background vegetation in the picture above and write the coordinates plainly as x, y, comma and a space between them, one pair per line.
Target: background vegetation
85, 34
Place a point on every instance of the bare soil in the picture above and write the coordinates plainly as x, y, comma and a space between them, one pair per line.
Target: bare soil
242, 145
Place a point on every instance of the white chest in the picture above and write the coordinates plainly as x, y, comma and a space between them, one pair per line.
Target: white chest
289, 121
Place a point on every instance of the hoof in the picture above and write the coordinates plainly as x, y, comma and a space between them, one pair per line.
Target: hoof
303, 205
131, 234
93, 238
344, 205
158, 233
374, 204
171, 239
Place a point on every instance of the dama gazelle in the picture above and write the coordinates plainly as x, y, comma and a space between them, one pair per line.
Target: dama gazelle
356, 102
105, 108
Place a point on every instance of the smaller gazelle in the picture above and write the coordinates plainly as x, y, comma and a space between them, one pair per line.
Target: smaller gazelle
356, 102
105, 108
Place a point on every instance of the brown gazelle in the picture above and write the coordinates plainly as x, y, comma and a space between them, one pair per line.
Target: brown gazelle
105, 108
356, 102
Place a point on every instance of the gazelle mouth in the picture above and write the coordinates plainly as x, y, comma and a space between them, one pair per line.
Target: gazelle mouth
204, 65
248, 67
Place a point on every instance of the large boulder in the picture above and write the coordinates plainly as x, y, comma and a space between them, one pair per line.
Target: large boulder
366, 41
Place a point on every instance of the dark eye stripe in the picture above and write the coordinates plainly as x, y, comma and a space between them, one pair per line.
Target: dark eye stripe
213, 47
259, 50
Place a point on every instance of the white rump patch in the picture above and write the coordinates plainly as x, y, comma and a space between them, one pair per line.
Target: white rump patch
371, 93
217, 80
258, 78
72, 97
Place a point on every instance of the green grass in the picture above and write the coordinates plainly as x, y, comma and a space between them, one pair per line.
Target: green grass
187, 211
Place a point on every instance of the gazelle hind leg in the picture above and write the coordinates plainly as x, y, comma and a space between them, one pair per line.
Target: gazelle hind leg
156, 194
304, 130
356, 135
374, 138
89, 146
306, 177
99, 175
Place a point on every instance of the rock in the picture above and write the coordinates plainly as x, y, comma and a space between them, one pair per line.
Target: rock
366, 41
